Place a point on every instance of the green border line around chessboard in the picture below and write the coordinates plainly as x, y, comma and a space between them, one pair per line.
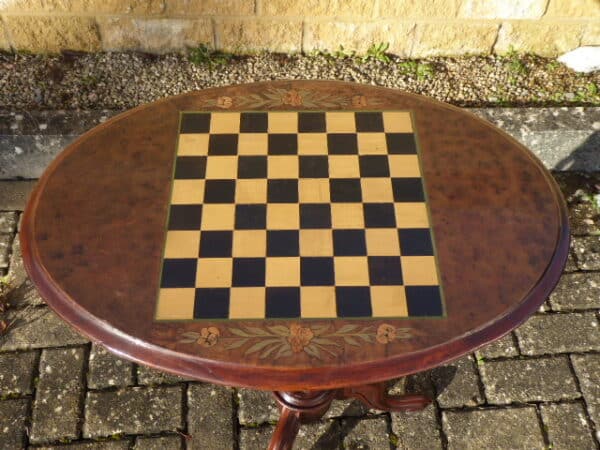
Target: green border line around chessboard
419, 154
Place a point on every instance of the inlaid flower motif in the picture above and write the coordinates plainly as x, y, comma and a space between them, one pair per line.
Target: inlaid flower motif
359, 101
208, 336
292, 97
224, 102
299, 337
318, 341
385, 333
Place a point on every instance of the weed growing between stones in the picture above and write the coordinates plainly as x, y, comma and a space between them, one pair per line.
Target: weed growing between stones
553, 65
204, 56
421, 70
377, 52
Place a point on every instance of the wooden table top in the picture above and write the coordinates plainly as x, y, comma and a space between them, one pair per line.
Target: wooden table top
295, 235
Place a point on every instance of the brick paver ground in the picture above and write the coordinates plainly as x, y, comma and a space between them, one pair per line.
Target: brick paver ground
537, 388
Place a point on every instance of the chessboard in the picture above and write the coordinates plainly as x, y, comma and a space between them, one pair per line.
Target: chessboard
298, 215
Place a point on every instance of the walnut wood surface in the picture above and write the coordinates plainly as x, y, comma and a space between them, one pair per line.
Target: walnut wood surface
93, 232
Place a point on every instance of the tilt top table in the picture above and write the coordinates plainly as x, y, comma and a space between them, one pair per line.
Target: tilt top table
310, 238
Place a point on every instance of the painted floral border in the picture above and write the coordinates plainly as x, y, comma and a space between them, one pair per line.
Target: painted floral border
278, 341
274, 97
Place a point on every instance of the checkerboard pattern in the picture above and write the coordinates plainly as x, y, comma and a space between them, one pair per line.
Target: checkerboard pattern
298, 215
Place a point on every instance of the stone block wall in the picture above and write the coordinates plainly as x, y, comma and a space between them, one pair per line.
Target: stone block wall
413, 28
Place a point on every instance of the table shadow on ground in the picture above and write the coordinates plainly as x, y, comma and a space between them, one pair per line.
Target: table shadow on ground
421, 383
585, 157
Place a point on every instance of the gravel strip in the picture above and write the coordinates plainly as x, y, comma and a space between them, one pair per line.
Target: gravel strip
124, 80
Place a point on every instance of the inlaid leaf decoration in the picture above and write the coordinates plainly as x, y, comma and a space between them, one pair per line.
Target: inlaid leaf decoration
278, 341
189, 337
274, 97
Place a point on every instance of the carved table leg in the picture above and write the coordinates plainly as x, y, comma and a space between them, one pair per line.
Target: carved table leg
297, 407
376, 396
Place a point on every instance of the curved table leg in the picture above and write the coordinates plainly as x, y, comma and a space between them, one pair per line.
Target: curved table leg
297, 407
304, 406
376, 396
286, 431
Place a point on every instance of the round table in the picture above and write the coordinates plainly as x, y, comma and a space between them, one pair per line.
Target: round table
312, 238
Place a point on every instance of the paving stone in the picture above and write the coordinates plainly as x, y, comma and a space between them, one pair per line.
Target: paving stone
5, 241
322, 435
161, 443
77, 121
99, 445
417, 430
544, 307
256, 407
61, 368
8, 222
147, 376
418, 383
526, 380
559, 333
13, 194
493, 429
583, 216
457, 384
502, 348
37, 328
13, 417
133, 411
23, 292
509, 119
587, 252
587, 369
567, 426
256, 438
346, 408
74, 122
105, 369
210, 417
365, 434
37, 152
16, 372
57, 406
571, 265
577, 291
56, 417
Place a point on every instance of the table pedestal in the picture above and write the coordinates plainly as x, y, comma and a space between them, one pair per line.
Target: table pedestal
305, 406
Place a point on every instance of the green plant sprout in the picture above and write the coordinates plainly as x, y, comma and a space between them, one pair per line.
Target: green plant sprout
424, 71
341, 53
421, 70
408, 67
202, 55
377, 51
